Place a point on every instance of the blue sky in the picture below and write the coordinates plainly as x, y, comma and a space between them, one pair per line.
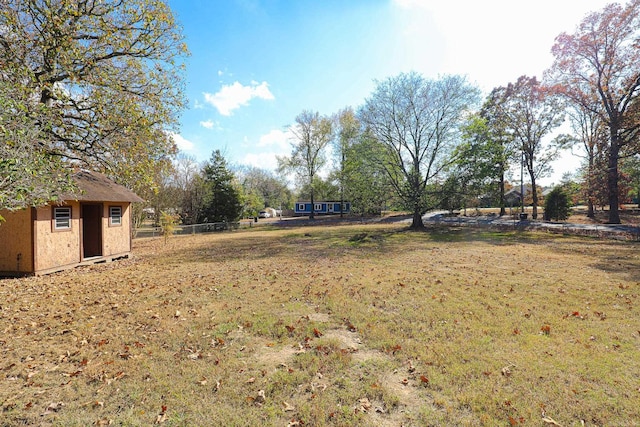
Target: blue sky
256, 64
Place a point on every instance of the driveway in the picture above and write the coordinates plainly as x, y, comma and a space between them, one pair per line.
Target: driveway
616, 231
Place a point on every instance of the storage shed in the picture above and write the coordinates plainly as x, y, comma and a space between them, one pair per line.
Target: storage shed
92, 226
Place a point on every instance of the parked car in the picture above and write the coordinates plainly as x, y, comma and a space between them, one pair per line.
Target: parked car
264, 214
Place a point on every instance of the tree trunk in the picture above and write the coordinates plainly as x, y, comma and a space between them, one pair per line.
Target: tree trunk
503, 210
612, 179
417, 223
342, 183
590, 208
534, 196
311, 214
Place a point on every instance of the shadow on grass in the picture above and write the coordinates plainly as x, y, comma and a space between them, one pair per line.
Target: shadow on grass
312, 243
320, 242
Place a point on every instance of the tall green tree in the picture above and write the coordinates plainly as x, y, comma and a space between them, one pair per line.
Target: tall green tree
631, 168
365, 181
110, 74
347, 134
531, 112
598, 68
269, 189
501, 143
483, 157
417, 121
222, 199
312, 134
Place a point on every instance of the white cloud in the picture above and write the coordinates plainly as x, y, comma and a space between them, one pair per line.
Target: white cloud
232, 97
209, 124
182, 143
277, 138
266, 161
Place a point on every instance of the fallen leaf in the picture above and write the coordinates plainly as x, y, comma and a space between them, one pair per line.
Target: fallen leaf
287, 407
365, 404
550, 421
53, 407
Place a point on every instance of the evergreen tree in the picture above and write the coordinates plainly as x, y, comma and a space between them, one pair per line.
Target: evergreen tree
222, 199
557, 205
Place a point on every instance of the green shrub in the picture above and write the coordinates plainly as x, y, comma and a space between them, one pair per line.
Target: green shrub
557, 205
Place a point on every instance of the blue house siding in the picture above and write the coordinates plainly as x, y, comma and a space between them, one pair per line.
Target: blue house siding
322, 208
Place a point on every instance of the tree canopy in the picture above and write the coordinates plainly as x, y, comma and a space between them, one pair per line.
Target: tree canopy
312, 134
598, 68
417, 121
109, 73
221, 201
28, 176
531, 112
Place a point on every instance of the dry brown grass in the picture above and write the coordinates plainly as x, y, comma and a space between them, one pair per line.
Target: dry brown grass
348, 325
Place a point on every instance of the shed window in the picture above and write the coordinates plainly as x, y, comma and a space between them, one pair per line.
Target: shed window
62, 218
318, 207
115, 215
301, 206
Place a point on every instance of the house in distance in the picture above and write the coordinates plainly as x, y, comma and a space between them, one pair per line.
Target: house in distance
326, 208
92, 226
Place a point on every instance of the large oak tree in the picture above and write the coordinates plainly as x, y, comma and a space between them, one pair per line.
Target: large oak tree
109, 71
417, 121
28, 176
598, 68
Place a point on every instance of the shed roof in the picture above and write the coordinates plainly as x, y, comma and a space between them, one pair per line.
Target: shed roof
96, 187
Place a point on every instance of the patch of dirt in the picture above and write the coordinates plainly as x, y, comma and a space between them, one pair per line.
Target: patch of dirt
275, 357
402, 383
319, 317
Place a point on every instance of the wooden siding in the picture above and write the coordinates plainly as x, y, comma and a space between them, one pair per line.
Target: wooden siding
56, 249
16, 237
116, 239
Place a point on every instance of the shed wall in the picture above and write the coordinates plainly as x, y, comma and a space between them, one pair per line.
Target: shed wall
116, 238
56, 248
16, 238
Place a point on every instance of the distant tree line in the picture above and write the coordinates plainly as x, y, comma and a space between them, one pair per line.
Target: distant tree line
418, 144
99, 85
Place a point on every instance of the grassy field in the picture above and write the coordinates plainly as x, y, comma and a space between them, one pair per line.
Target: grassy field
330, 326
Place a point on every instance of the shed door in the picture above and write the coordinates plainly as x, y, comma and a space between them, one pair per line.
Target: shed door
91, 230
